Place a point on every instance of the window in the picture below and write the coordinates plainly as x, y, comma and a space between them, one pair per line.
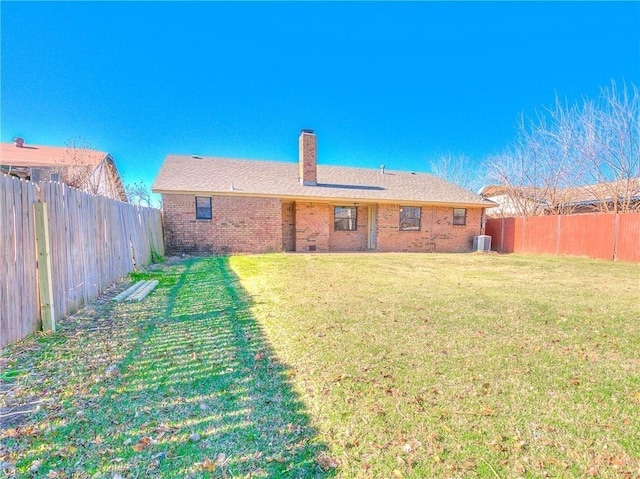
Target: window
460, 216
346, 218
410, 218
203, 208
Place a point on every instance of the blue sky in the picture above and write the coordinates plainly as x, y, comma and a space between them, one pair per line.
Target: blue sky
392, 83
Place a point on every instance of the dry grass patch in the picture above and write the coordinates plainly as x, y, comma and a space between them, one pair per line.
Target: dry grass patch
459, 365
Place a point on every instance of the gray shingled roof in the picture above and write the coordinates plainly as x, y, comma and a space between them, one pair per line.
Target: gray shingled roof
222, 176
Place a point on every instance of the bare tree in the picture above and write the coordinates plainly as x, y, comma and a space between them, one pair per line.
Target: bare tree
140, 194
611, 148
457, 169
514, 171
82, 167
78, 165
571, 152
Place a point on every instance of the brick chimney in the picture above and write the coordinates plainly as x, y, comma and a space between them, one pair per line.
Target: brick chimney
308, 158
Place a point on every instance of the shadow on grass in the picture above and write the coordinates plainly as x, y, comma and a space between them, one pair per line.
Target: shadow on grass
196, 392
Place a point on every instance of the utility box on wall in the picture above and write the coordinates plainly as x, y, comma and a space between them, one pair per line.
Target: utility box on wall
482, 243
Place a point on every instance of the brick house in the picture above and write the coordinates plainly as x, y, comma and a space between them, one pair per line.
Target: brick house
81, 167
216, 205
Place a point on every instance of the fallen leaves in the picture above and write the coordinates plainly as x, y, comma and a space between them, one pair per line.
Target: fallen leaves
326, 462
163, 430
13, 432
635, 397
143, 444
621, 464
65, 451
21, 431
487, 411
616, 462
209, 465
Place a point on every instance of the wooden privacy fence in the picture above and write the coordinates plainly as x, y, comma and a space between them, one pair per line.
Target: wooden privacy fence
597, 235
93, 241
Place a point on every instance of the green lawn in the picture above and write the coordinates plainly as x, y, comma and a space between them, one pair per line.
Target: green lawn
384, 365
183, 384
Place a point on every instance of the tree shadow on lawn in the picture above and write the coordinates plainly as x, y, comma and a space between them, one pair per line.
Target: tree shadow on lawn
196, 392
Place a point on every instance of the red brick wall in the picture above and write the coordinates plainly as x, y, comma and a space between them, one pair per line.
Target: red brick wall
256, 225
249, 225
437, 232
288, 227
307, 151
312, 226
349, 240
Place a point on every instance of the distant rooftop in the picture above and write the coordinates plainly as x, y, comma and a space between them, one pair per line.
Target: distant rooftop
576, 195
43, 156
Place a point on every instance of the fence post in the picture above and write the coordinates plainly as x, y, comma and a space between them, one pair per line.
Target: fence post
45, 284
616, 232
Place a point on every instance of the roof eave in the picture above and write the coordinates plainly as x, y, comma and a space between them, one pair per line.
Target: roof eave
331, 199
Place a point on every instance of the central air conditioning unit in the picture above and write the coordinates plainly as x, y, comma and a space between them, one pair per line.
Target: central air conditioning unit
482, 243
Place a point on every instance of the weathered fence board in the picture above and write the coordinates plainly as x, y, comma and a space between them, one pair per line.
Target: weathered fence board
93, 242
628, 238
540, 236
17, 248
590, 235
596, 235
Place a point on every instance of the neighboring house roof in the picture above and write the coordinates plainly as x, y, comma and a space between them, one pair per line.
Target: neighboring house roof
605, 191
235, 177
494, 190
511, 199
96, 167
584, 194
578, 196
46, 156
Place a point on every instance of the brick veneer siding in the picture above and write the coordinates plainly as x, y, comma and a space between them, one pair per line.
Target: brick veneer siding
312, 226
247, 225
307, 158
437, 232
349, 240
307, 151
257, 225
